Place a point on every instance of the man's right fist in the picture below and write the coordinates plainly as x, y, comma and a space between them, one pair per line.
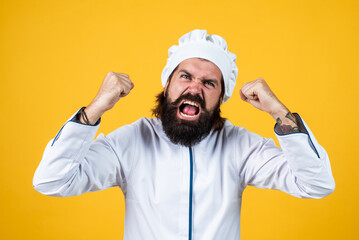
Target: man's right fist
114, 87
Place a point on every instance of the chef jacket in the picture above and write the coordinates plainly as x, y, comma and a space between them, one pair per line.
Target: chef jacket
173, 192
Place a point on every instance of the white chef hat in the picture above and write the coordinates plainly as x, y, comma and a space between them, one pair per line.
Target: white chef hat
198, 44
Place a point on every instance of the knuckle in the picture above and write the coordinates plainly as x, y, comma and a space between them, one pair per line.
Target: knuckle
260, 82
111, 77
114, 77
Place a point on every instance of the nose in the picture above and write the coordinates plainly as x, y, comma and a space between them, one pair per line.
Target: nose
195, 87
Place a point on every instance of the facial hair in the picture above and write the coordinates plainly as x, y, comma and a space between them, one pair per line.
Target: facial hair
187, 132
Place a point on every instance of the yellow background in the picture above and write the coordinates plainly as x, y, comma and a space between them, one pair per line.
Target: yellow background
55, 54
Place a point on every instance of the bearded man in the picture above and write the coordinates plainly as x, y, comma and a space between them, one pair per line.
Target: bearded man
183, 172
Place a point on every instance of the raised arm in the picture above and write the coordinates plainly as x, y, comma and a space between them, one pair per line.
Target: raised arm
73, 162
301, 167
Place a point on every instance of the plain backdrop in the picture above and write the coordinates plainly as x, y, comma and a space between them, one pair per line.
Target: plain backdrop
55, 54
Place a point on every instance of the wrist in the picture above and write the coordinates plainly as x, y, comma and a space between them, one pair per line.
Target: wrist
91, 114
279, 112
286, 124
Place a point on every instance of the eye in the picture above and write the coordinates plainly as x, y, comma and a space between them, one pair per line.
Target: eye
185, 76
209, 83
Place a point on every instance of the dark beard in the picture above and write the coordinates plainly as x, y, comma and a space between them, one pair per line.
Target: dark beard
187, 133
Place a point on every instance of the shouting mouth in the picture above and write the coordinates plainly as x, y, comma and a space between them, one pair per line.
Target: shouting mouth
189, 110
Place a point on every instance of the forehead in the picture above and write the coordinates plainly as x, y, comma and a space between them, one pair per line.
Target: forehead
200, 68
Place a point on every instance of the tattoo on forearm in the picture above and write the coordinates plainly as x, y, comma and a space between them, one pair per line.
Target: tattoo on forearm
284, 128
291, 117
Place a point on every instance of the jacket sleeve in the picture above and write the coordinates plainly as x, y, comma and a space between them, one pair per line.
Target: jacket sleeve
300, 167
74, 163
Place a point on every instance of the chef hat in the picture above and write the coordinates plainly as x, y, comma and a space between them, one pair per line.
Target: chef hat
198, 44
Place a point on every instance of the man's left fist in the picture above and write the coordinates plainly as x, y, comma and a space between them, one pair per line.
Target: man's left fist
259, 94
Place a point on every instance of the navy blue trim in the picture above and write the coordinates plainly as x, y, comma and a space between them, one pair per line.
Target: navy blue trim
306, 133
190, 194
315, 150
58, 135
74, 121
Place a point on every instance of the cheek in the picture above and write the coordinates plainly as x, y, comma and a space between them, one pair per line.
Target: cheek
174, 91
212, 100
171, 95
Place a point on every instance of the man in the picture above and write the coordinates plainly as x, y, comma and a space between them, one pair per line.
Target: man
183, 172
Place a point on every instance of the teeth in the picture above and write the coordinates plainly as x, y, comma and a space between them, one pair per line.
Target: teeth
191, 103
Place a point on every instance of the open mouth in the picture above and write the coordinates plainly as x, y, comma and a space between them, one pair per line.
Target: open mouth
189, 109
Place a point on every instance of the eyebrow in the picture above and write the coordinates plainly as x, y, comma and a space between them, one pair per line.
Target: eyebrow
204, 79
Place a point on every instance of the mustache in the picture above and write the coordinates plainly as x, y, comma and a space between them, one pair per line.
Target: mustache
195, 98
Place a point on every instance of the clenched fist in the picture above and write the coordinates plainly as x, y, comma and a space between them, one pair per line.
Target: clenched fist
259, 94
114, 87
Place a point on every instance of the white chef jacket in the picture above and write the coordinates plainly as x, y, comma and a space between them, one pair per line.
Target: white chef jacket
174, 192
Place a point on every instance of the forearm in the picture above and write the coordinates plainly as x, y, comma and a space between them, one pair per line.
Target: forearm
74, 163
62, 158
287, 122
300, 167
308, 161
88, 115
303, 168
